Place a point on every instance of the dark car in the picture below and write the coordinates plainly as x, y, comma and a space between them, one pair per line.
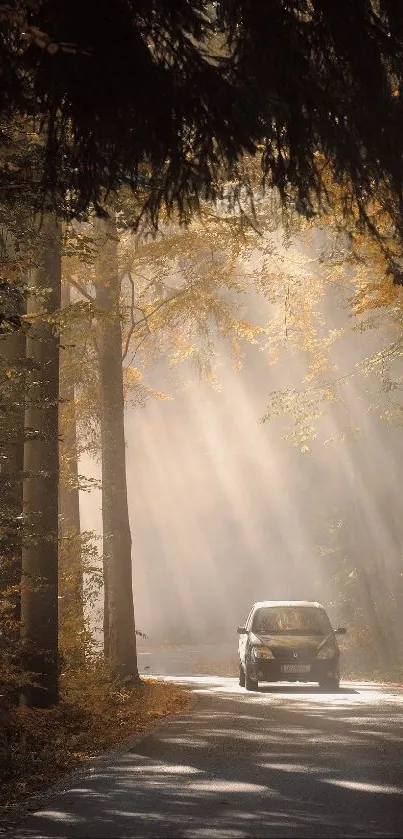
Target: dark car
290, 641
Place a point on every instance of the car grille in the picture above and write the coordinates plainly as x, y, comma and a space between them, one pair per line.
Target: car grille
286, 654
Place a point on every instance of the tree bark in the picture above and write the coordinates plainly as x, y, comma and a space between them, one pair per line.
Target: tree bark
12, 403
120, 640
39, 596
69, 501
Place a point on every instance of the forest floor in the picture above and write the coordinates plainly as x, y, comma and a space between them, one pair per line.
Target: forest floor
44, 745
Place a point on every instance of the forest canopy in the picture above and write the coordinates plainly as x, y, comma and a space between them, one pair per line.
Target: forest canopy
167, 97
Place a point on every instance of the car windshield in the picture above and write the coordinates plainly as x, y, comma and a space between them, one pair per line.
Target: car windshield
303, 620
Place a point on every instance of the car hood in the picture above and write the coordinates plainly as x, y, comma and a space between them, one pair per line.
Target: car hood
295, 642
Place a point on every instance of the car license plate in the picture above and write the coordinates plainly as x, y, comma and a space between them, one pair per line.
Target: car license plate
295, 668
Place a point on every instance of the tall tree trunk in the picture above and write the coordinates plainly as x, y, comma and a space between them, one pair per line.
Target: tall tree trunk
69, 492
39, 597
120, 642
105, 575
71, 599
12, 403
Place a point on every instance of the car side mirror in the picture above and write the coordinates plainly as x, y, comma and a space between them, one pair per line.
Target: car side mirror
341, 630
242, 630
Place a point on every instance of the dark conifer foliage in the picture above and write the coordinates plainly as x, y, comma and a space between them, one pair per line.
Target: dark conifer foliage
167, 95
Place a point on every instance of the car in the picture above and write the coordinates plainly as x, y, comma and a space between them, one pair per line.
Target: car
289, 640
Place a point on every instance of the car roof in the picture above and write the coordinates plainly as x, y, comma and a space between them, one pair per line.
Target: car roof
299, 603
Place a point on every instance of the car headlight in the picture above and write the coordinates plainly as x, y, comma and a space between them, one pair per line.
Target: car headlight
328, 650
261, 652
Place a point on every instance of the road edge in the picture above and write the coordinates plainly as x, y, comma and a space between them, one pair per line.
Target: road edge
62, 785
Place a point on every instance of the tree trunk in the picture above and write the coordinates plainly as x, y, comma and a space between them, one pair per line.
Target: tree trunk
105, 575
39, 597
71, 598
120, 641
12, 402
69, 500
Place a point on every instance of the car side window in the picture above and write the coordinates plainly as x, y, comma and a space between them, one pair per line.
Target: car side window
250, 619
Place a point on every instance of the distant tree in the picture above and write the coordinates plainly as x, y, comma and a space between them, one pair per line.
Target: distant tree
361, 275
173, 295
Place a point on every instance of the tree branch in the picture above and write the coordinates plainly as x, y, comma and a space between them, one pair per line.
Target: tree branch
145, 317
134, 323
82, 290
137, 348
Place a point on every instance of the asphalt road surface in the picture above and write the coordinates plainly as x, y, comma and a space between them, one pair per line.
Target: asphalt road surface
289, 760
187, 660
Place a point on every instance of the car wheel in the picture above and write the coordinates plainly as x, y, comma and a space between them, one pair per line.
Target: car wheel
241, 676
250, 684
331, 683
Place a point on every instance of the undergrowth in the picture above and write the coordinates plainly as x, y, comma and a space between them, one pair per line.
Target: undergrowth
95, 713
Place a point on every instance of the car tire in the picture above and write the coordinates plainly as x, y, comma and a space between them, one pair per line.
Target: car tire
331, 683
250, 684
241, 676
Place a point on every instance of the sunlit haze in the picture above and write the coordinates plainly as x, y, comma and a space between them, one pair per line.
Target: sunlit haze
224, 511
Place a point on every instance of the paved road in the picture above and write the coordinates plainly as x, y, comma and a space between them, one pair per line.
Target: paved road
187, 660
286, 761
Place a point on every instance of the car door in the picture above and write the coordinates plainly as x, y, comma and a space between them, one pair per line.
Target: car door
243, 639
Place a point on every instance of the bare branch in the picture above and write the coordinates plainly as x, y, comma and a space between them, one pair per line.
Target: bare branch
82, 290
134, 323
136, 349
144, 320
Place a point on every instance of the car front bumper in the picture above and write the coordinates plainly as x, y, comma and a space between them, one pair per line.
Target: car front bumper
275, 671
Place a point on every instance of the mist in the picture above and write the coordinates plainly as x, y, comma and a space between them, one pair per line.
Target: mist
224, 511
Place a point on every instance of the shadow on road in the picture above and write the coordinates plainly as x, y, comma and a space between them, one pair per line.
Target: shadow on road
247, 765
304, 689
